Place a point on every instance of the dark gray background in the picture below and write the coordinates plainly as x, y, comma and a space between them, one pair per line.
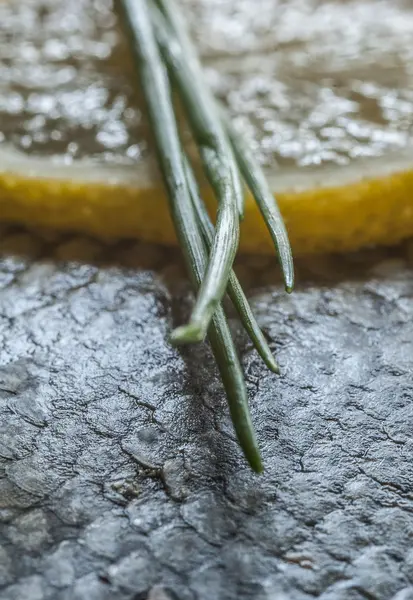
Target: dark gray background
120, 475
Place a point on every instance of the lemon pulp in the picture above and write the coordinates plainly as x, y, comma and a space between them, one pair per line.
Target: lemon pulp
323, 88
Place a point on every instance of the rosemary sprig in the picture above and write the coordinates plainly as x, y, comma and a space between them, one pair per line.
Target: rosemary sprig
247, 164
157, 92
235, 291
222, 172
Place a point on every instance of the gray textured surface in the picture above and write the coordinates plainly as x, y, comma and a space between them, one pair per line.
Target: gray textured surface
120, 476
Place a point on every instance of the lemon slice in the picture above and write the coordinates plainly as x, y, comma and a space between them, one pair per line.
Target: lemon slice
323, 88
332, 208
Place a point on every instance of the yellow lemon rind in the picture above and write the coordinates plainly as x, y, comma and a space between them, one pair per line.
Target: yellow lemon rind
126, 202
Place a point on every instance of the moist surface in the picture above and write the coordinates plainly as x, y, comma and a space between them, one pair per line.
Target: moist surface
310, 81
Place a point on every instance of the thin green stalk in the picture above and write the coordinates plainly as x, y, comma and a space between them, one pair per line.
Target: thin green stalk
173, 16
157, 92
234, 289
222, 172
223, 348
248, 166
258, 185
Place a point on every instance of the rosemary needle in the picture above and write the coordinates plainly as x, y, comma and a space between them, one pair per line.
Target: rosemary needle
233, 379
172, 15
265, 200
235, 291
248, 166
222, 172
158, 96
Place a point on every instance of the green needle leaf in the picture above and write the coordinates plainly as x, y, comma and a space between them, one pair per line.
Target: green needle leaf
266, 202
157, 92
222, 172
247, 164
234, 289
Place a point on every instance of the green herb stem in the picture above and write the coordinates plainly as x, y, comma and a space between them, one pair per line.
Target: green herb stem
247, 164
266, 202
222, 172
235, 291
157, 92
